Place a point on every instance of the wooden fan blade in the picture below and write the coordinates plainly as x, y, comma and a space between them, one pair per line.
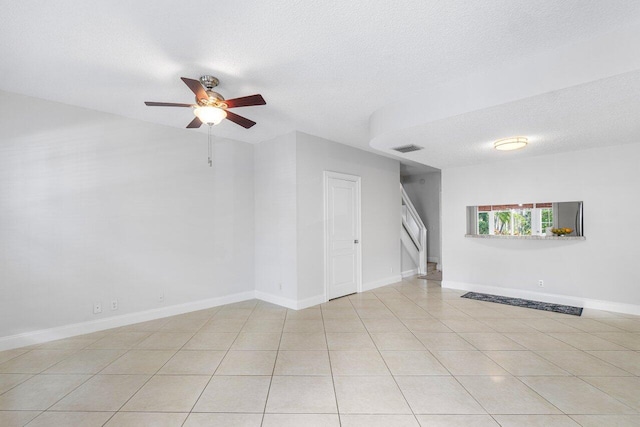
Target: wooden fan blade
195, 123
239, 120
196, 87
166, 104
245, 101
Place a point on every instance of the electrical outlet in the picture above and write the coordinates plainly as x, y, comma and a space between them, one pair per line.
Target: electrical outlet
161, 297
541, 283
97, 307
114, 304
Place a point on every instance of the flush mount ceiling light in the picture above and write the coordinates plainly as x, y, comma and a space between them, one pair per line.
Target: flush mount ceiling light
511, 143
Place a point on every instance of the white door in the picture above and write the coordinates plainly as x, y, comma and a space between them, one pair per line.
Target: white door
342, 234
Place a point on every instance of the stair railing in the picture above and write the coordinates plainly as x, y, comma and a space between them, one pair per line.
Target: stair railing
416, 229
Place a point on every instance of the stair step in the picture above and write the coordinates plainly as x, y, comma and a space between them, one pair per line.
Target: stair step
431, 266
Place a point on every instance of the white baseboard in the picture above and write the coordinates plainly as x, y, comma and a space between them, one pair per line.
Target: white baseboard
409, 273
67, 331
310, 302
594, 304
382, 282
275, 299
288, 302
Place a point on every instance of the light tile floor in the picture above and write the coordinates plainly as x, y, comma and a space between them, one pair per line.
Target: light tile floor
408, 354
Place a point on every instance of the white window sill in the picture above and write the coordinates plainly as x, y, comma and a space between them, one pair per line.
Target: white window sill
492, 236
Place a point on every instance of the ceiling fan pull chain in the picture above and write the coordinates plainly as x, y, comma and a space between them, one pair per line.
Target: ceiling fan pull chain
210, 151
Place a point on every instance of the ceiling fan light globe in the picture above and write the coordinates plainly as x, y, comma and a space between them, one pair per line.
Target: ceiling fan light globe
210, 115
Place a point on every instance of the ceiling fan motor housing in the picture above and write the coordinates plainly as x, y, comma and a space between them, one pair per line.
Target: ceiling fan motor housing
209, 82
214, 100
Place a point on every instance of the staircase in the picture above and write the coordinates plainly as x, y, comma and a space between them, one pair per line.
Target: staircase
433, 273
413, 234
431, 267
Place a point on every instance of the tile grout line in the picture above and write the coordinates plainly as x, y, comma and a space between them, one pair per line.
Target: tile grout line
447, 369
333, 381
451, 374
520, 380
404, 296
470, 394
383, 360
266, 400
91, 376
20, 383
483, 352
223, 357
151, 376
75, 388
612, 397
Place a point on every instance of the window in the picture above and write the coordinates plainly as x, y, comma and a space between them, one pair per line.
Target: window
546, 219
502, 223
510, 220
521, 222
483, 222
524, 219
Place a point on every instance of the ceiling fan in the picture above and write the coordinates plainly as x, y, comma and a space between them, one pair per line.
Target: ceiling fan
211, 107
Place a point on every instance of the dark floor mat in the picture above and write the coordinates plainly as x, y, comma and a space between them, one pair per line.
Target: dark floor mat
537, 305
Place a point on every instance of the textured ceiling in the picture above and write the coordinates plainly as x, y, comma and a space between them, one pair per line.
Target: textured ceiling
587, 116
323, 67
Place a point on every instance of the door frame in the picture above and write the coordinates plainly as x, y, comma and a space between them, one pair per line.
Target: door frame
326, 175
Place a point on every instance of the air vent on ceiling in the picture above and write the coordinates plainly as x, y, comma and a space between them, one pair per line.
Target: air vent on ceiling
407, 148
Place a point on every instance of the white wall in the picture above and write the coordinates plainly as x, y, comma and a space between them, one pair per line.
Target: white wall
425, 197
289, 248
406, 262
381, 206
275, 217
603, 267
94, 207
